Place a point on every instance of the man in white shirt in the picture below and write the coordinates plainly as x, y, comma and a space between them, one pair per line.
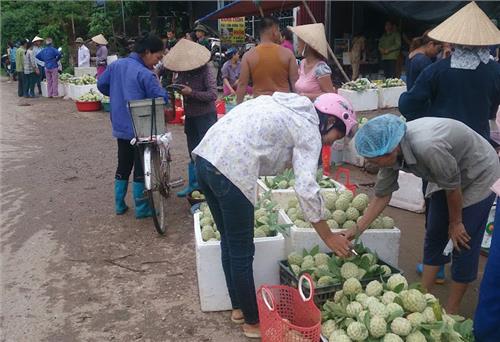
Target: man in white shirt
83, 53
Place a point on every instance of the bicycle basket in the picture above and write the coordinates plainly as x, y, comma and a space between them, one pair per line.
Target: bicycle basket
142, 112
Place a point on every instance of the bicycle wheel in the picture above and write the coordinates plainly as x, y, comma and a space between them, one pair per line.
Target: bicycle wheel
160, 174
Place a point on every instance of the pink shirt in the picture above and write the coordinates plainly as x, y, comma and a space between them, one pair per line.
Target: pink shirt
288, 44
309, 82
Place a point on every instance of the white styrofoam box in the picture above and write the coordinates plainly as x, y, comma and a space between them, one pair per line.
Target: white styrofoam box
389, 97
75, 91
111, 59
351, 156
80, 71
211, 280
337, 154
409, 196
346, 58
365, 100
385, 242
43, 85
61, 91
282, 196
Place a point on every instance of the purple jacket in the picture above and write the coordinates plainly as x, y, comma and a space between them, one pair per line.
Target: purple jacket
202, 99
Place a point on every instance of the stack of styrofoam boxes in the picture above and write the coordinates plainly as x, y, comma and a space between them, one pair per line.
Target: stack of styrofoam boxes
409, 196
385, 242
282, 196
350, 155
361, 100
80, 71
389, 97
211, 281
60, 89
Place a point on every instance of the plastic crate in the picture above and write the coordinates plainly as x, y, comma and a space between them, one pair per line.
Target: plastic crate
141, 112
322, 294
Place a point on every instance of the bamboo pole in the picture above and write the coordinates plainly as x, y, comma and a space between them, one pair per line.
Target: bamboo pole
306, 6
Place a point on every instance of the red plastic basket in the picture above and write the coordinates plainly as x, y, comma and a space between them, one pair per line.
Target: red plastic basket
345, 172
86, 106
286, 315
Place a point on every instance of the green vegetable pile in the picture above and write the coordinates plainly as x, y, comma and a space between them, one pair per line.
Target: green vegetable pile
91, 96
65, 77
390, 312
392, 82
265, 221
331, 270
362, 120
360, 85
84, 80
105, 99
343, 211
231, 99
286, 180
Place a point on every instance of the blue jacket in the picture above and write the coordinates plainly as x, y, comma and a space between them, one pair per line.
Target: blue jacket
469, 96
50, 55
487, 318
414, 67
125, 80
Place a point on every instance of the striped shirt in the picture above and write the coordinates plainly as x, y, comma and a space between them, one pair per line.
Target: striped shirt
29, 62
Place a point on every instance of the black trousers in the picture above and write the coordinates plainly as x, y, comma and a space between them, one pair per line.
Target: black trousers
389, 67
129, 157
196, 127
20, 83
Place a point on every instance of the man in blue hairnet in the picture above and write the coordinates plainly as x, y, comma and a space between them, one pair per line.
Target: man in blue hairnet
460, 167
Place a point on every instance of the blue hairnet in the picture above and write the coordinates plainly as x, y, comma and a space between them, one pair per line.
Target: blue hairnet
379, 135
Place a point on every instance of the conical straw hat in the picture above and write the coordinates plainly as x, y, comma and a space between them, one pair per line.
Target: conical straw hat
36, 39
185, 56
468, 26
314, 36
99, 39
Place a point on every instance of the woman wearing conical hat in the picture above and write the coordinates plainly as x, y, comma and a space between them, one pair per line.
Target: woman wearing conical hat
101, 55
199, 90
314, 73
464, 87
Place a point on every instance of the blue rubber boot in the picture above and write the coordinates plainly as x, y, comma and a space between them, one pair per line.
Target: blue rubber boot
440, 277
192, 183
120, 193
142, 208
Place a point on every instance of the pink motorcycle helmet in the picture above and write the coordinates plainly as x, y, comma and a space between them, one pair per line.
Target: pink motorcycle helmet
338, 106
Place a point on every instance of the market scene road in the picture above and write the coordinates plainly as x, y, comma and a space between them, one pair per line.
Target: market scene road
239, 172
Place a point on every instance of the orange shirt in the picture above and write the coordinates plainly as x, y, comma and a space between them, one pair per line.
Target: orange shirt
270, 73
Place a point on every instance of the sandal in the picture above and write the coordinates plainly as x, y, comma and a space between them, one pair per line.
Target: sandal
254, 333
237, 318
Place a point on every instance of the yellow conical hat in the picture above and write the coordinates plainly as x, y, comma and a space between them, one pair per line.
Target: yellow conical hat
468, 26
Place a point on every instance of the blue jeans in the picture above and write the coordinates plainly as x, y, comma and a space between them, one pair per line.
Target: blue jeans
196, 127
234, 215
474, 217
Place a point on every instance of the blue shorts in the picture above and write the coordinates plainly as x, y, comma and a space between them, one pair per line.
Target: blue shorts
464, 263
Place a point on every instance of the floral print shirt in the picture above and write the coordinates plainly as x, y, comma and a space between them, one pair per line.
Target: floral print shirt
262, 137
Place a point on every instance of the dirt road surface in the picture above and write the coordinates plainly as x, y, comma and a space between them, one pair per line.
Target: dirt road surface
71, 270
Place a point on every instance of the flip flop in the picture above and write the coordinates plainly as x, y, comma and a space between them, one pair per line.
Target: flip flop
237, 320
252, 334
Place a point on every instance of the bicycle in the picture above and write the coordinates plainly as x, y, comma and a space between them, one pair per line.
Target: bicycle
153, 141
